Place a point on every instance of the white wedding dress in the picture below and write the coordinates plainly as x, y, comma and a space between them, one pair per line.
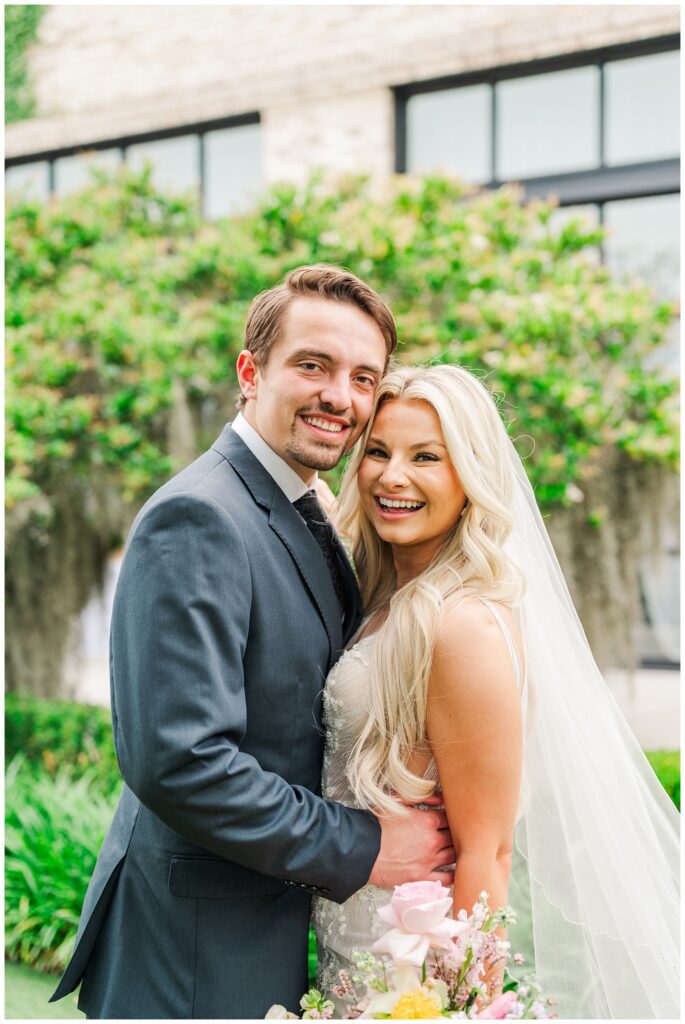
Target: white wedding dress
342, 928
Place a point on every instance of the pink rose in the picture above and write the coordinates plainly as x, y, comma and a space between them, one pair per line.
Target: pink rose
417, 913
498, 1008
416, 906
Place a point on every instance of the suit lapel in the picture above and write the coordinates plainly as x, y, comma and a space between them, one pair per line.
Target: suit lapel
291, 529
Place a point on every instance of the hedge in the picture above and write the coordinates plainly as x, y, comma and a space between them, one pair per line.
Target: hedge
77, 738
60, 736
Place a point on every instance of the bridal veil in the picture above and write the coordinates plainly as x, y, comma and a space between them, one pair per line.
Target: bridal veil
595, 875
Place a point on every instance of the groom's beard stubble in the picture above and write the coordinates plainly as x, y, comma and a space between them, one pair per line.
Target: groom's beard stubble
318, 454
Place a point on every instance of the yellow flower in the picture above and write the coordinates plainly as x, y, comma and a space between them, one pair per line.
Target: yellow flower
415, 1005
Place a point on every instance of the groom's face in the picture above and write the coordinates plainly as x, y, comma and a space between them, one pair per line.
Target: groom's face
314, 396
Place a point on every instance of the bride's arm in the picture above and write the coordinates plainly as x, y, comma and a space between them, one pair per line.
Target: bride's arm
475, 732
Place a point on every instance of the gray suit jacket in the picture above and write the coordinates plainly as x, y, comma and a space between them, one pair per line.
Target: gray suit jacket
225, 626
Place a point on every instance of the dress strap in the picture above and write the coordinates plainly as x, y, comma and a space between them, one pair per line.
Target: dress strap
499, 618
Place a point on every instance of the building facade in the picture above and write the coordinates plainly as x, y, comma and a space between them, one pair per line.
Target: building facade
580, 101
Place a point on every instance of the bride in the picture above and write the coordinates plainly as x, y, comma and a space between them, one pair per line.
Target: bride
471, 676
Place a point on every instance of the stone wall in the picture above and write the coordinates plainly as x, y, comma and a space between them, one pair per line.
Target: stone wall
320, 77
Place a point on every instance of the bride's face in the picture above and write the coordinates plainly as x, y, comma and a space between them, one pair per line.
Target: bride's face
409, 489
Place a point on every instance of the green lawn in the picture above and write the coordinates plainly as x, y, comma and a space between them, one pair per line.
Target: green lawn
27, 993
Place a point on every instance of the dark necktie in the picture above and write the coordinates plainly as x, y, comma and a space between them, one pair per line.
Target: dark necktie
322, 530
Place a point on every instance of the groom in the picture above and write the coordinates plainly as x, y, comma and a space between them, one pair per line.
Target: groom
231, 608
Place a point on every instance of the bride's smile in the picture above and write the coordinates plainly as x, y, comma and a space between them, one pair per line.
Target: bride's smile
409, 489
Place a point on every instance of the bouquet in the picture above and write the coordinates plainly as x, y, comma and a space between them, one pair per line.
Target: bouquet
431, 966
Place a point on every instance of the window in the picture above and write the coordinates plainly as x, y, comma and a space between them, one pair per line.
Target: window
642, 108
73, 172
219, 160
589, 127
643, 241
451, 129
532, 137
31, 180
231, 157
175, 162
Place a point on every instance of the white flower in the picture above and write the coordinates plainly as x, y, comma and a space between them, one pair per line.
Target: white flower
278, 1012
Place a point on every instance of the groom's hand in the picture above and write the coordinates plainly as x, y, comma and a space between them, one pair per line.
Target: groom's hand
414, 847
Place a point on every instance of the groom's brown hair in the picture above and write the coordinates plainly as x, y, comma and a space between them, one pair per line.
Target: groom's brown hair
318, 280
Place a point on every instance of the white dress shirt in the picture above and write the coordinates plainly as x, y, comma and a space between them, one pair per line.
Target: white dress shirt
292, 485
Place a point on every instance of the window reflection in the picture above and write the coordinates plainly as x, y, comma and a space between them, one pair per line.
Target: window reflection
232, 170
450, 131
548, 123
175, 162
642, 108
643, 240
29, 180
74, 172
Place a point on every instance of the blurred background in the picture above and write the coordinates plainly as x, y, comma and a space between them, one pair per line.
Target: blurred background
506, 176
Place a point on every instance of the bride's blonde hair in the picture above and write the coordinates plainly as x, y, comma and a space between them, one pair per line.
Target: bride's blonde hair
471, 561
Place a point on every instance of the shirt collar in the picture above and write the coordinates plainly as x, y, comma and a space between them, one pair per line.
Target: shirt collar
292, 485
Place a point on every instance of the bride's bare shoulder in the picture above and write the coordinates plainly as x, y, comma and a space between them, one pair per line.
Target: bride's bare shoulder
470, 640
462, 616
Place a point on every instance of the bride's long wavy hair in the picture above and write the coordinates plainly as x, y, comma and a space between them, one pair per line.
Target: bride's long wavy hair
471, 562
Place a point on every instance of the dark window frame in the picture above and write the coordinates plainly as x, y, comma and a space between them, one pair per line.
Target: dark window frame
122, 142
600, 184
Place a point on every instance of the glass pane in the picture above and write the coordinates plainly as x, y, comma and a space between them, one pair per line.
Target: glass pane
660, 578
642, 108
175, 162
450, 131
548, 123
233, 175
73, 172
30, 180
643, 241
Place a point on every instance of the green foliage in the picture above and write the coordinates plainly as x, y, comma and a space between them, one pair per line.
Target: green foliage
60, 738
121, 299
53, 831
97, 337
666, 765
21, 29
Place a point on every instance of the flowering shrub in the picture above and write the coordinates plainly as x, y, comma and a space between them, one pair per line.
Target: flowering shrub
125, 313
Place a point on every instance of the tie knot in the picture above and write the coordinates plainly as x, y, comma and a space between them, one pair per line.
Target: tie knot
310, 508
